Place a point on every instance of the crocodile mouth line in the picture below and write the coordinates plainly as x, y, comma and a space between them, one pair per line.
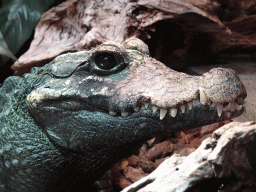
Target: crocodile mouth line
79, 104
236, 104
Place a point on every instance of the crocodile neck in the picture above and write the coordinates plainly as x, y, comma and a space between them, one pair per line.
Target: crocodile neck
25, 151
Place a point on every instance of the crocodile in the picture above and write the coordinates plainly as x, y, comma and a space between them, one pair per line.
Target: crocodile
68, 122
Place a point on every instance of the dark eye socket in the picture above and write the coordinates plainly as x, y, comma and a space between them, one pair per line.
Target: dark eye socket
108, 59
105, 61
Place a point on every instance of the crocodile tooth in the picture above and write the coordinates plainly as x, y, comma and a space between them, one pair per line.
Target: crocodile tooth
239, 107
162, 113
136, 109
183, 108
219, 109
190, 104
173, 112
113, 113
124, 114
154, 109
228, 114
146, 105
202, 95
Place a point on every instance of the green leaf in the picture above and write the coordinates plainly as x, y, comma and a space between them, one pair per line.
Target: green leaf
18, 18
4, 48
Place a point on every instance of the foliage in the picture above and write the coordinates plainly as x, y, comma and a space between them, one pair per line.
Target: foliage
18, 18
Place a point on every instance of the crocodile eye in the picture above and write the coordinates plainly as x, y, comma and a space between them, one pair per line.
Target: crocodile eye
108, 59
105, 61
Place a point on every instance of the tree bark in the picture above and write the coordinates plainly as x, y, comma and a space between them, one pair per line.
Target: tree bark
225, 162
178, 32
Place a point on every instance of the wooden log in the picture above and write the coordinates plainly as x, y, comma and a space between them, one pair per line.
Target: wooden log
225, 162
174, 30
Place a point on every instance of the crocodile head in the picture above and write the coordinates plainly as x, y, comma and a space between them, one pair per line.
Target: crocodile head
105, 102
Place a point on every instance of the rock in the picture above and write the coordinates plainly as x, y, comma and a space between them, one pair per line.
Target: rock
133, 174
196, 142
121, 181
159, 150
195, 132
185, 151
123, 164
154, 152
143, 150
147, 166
208, 128
159, 161
133, 160
177, 140
179, 145
187, 137
225, 162
206, 136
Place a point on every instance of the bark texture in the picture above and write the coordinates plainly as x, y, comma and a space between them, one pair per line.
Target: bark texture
225, 162
178, 32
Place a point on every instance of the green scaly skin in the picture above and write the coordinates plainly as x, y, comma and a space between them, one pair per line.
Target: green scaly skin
56, 130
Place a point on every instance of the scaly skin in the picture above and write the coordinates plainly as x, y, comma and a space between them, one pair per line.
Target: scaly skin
68, 122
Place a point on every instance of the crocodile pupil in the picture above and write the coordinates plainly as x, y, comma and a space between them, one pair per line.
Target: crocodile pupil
105, 61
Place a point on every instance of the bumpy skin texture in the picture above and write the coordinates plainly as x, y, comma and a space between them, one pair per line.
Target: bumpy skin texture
56, 131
